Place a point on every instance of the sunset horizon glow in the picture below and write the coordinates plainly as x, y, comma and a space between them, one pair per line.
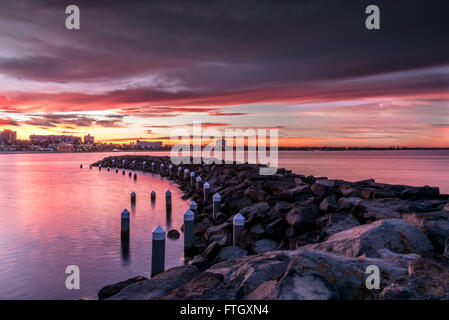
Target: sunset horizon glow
139, 71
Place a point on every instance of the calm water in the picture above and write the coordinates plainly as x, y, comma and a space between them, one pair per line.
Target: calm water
54, 214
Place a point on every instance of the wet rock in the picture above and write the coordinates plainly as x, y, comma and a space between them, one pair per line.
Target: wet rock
264, 245
322, 188
393, 234
158, 285
446, 207
300, 192
434, 224
173, 234
231, 252
113, 289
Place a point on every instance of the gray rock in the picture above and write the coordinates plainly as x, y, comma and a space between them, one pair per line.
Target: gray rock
173, 234
434, 224
280, 209
302, 217
346, 274
221, 234
427, 279
337, 222
329, 204
295, 287
211, 251
231, 252
264, 245
257, 232
420, 192
348, 203
446, 207
158, 285
113, 289
393, 234
372, 210
300, 192
276, 228
254, 194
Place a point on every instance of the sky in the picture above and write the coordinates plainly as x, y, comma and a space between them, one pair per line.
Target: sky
139, 69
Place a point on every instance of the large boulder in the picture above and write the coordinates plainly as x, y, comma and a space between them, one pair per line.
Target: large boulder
158, 285
427, 279
420, 192
434, 224
222, 234
393, 234
372, 210
329, 203
337, 222
255, 194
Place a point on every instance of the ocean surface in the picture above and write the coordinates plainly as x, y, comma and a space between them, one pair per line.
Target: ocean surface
54, 214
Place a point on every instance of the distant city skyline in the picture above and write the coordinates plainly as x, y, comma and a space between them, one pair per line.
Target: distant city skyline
136, 70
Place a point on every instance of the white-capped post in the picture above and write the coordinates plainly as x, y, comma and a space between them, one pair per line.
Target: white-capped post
135, 175
216, 204
158, 252
194, 208
170, 169
189, 219
116, 170
186, 174
206, 188
192, 178
179, 171
153, 196
198, 183
99, 167
124, 225
162, 168
238, 226
152, 166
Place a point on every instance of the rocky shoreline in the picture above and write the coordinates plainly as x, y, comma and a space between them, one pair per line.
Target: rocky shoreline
305, 237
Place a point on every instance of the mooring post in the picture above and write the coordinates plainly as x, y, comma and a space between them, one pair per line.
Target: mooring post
189, 218
134, 163
133, 197
109, 168
116, 170
143, 165
153, 196
135, 175
152, 166
90, 167
81, 166
194, 208
162, 168
123, 163
123, 172
125, 225
206, 190
168, 201
170, 169
158, 251
192, 178
179, 171
186, 174
99, 167
216, 204
130, 174
198, 183
238, 226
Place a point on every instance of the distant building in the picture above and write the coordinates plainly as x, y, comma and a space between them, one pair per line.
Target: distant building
65, 147
89, 139
54, 139
8, 137
149, 144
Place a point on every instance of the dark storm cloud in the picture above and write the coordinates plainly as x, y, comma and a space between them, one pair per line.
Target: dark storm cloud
225, 45
71, 121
